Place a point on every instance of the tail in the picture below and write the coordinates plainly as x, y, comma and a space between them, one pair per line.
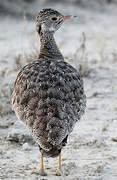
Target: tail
54, 152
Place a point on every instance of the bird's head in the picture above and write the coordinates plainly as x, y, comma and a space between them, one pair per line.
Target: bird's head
49, 20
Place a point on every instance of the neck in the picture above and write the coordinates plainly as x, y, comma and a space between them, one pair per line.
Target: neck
48, 48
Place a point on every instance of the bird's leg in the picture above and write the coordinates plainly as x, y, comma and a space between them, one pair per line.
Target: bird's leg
60, 160
42, 161
41, 171
59, 171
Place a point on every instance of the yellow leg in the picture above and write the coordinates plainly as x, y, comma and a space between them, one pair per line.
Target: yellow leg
60, 160
42, 161
41, 171
59, 171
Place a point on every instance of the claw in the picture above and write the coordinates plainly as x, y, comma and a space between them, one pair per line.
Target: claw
40, 172
58, 172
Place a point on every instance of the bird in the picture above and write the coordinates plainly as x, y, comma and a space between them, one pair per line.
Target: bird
48, 94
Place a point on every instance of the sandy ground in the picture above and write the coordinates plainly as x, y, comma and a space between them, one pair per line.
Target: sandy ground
91, 151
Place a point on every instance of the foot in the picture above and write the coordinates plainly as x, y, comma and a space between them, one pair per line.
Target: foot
40, 172
58, 172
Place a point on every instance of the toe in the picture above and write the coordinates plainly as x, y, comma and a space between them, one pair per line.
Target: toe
40, 172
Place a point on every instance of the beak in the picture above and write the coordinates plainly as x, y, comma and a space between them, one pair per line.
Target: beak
68, 17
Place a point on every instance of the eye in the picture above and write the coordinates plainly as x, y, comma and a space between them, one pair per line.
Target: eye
54, 18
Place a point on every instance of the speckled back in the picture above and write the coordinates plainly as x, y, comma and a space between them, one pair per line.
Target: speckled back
49, 98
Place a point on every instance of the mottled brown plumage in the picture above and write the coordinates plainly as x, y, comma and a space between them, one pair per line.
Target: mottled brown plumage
48, 93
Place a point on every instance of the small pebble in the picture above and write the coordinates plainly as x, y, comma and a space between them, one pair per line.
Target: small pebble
26, 147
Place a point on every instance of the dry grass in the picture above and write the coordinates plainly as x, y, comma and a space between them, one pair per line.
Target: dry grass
17, 60
5, 99
102, 45
22, 59
81, 56
105, 50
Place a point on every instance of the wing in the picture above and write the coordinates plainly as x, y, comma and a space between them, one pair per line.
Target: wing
69, 102
49, 98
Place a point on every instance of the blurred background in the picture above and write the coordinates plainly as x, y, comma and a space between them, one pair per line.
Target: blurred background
89, 43
12, 6
31, 7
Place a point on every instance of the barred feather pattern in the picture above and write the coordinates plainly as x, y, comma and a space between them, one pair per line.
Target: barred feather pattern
48, 93
49, 98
